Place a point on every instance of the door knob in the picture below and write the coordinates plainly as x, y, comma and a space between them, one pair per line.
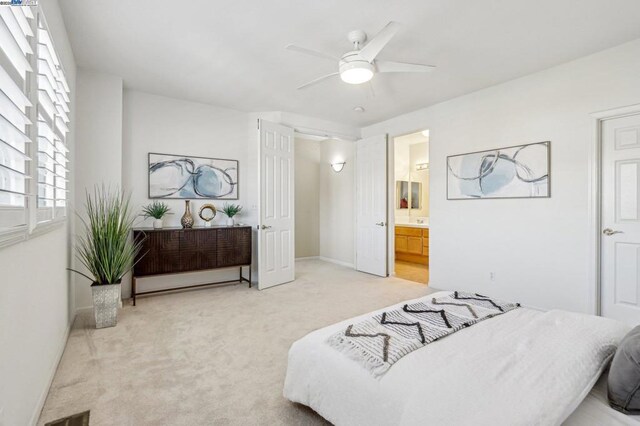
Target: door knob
608, 232
380, 223
265, 227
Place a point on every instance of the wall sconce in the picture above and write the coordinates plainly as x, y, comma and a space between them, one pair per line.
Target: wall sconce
337, 167
422, 166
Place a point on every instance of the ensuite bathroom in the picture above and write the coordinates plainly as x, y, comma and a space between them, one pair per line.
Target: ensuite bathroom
411, 198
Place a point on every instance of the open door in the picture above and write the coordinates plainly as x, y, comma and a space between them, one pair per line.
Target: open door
371, 205
277, 221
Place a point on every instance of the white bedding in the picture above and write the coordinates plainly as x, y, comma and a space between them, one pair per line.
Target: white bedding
523, 367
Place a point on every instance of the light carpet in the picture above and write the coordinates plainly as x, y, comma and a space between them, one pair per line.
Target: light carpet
213, 356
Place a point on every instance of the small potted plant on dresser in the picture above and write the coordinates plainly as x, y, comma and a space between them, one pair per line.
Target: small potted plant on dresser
157, 210
231, 210
107, 251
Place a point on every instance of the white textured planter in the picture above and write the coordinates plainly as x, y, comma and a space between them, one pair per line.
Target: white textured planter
157, 224
106, 298
230, 221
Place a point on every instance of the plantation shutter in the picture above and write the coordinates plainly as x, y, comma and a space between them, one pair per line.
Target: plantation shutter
53, 119
15, 69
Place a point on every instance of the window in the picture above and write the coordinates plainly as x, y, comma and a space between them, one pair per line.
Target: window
15, 70
53, 109
34, 119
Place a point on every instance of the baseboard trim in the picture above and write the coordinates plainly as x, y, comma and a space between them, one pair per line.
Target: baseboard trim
84, 309
308, 258
52, 373
337, 262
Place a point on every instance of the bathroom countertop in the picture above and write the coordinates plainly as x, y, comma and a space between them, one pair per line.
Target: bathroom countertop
414, 225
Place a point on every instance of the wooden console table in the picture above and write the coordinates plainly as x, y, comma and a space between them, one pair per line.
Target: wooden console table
177, 250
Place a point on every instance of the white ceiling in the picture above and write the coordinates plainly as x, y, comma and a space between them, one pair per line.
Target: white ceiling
231, 53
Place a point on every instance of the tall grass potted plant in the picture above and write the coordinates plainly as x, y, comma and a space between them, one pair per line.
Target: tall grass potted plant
106, 249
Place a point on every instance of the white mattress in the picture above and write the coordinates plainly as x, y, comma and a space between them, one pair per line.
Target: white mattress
523, 367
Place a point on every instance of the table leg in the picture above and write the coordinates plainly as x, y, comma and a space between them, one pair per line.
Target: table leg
133, 290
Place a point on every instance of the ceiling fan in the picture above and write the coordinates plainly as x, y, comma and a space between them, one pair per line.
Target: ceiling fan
359, 65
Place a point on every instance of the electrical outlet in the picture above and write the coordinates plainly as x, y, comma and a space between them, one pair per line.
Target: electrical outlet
492, 276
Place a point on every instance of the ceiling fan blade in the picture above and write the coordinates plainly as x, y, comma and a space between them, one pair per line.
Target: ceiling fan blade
390, 66
317, 80
377, 43
311, 52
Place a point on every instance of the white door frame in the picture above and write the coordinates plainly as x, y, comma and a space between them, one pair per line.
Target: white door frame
595, 200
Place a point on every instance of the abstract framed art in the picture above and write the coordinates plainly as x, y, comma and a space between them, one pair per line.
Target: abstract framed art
189, 177
520, 171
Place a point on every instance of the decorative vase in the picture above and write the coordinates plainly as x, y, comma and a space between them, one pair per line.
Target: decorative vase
187, 219
106, 298
157, 224
230, 221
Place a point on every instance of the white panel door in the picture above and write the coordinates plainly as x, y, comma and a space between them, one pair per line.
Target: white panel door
371, 205
276, 230
620, 282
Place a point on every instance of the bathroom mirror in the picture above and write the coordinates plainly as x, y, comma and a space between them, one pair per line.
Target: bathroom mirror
404, 198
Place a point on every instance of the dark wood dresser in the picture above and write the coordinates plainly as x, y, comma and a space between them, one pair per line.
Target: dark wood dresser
177, 250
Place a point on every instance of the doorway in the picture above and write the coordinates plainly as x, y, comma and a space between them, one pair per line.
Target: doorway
410, 200
324, 199
620, 217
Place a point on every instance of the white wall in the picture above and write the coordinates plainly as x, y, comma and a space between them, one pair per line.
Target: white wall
337, 194
307, 197
325, 222
98, 149
537, 248
36, 304
171, 126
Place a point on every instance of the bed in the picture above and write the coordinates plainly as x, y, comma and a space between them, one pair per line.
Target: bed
521, 367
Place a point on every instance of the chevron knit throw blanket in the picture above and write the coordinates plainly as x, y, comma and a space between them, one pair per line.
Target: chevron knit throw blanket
380, 341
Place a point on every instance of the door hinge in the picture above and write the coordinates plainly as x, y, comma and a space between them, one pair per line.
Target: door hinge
258, 123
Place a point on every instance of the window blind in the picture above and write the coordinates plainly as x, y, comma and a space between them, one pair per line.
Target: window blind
53, 119
15, 69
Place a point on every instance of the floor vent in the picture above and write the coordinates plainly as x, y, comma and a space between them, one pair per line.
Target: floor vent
80, 419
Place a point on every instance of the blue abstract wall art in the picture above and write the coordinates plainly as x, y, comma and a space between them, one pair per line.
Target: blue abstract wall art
187, 177
514, 172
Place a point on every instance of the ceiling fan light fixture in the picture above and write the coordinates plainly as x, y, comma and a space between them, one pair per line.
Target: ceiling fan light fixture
356, 72
360, 64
